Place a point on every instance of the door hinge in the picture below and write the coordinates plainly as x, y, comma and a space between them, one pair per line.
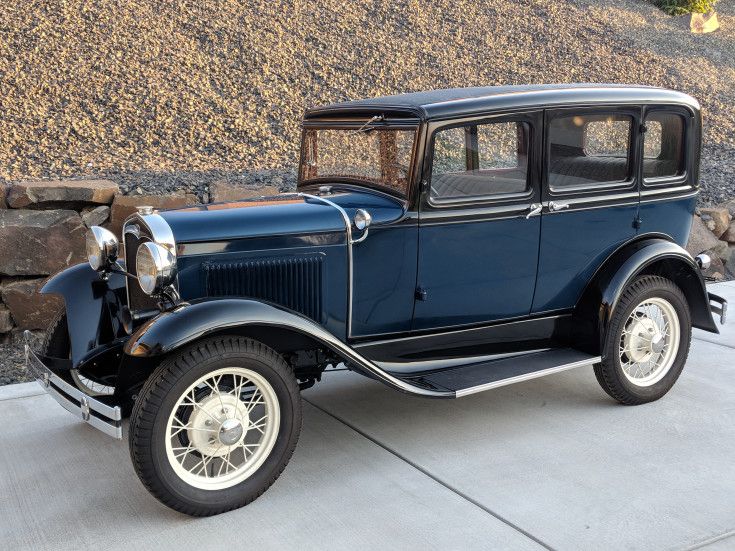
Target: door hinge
637, 223
421, 293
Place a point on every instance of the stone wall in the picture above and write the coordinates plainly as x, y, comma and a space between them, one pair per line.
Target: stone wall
42, 229
43, 224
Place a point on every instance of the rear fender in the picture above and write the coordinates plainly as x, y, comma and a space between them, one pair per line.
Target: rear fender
648, 256
93, 307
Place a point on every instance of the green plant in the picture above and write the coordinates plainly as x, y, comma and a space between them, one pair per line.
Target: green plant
680, 7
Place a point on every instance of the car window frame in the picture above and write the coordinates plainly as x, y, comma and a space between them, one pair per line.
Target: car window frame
528, 117
628, 185
678, 179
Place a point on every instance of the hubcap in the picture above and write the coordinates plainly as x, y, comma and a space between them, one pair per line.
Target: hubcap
649, 342
222, 428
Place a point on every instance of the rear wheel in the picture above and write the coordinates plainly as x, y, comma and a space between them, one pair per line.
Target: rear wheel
647, 342
215, 425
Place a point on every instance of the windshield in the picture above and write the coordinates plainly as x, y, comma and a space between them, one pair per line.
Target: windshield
373, 156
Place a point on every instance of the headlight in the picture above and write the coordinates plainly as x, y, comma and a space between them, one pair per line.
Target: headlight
102, 247
155, 267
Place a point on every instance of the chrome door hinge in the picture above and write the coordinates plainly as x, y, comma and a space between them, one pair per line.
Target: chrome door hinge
421, 293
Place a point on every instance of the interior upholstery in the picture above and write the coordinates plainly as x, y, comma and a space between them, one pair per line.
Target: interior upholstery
478, 183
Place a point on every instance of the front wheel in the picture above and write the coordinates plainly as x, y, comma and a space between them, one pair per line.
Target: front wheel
647, 343
215, 425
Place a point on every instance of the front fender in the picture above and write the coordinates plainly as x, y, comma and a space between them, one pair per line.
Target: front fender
647, 256
93, 307
186, 324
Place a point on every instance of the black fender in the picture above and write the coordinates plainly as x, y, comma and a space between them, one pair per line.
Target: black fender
654, 255
94, 308
188, 323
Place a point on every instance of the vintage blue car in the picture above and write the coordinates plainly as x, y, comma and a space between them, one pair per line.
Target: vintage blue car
443, 243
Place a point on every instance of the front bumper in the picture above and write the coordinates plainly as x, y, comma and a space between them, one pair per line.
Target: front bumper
718, 305
106, 418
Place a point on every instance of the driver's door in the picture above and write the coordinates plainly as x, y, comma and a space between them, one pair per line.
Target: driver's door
479, 222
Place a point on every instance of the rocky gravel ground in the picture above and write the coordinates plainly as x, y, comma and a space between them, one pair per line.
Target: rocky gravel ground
158, 95
165, 95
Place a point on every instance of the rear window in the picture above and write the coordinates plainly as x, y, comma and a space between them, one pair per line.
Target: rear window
663, 146
589, 150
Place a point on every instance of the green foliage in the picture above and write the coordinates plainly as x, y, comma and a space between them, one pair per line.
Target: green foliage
680, 7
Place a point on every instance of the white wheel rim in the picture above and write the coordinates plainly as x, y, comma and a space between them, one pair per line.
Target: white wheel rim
89, 386
649, 342
222, 428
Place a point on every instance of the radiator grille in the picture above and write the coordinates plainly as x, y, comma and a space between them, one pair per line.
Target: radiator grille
293, 282
137, 299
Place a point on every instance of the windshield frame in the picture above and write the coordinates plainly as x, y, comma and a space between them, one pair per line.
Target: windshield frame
411, 124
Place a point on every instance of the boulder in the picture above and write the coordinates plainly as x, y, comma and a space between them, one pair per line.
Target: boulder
61, 193
125, 205
721, 218
6, 320
95, 216
29, 308
700, 238
3, 195
40, 242
222, 191
729, 235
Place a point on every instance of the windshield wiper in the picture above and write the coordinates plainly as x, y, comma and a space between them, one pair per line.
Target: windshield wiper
366, 127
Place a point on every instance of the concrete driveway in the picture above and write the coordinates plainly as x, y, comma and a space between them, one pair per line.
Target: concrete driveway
548, 463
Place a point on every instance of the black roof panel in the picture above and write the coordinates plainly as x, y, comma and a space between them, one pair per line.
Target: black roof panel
452, 102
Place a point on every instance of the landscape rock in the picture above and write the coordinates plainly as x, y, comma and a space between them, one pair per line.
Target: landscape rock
700, 238
729, 235
29, 308
36, 242
721, 218
96, 216
125, 205
6, 320
226, 191
61, 193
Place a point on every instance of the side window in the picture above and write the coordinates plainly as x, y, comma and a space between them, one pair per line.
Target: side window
480, 160
589, 150
663, 145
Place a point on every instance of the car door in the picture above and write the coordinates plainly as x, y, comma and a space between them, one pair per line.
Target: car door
479, 221
590, 197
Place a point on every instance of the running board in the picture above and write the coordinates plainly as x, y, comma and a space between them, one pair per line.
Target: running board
478, 377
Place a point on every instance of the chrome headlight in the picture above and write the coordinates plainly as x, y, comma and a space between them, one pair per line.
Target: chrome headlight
102, 248
155, 267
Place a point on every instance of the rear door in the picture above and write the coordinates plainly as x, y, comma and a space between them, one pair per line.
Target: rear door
479, 221
590, 197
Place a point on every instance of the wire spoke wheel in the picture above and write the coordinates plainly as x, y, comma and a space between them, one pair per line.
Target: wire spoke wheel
649, 341
222, 428
91, 387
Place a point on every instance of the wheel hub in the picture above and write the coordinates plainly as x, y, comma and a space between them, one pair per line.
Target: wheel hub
643, 340
218, 422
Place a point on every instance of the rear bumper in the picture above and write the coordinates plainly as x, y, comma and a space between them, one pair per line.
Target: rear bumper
718, 305
107, 419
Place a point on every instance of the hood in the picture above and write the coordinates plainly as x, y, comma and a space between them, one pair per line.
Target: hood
277, 215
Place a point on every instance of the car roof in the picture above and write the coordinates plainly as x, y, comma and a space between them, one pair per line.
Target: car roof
457, 102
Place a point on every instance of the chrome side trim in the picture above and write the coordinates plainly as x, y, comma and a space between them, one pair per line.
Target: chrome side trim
71, 398
527, 376
350, 242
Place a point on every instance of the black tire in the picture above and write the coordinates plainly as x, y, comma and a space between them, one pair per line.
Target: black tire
58, 345
610, 373
158, 397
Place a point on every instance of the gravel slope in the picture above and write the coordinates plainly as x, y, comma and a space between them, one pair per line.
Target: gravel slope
170, 94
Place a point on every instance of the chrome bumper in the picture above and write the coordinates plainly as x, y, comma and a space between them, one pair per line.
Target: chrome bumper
718, 305
106, 418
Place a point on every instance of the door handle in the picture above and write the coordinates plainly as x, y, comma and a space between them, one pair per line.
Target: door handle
534, 210
553, 206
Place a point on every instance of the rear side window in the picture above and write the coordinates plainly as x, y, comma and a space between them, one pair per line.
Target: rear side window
663, 146
589, 150
480, 160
